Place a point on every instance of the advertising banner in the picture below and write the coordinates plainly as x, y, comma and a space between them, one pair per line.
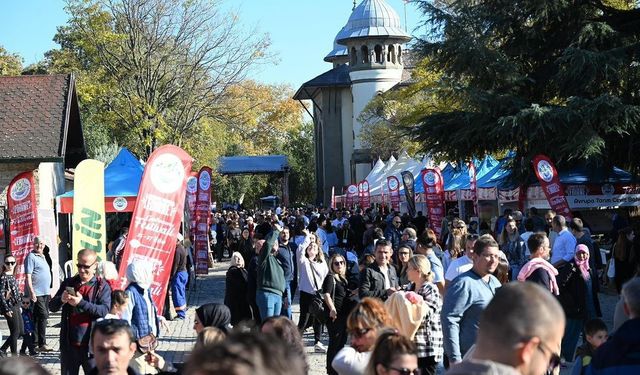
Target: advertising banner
550, 182
89, 228
352, 192
192, 192
474, 187
156, 218
409, 192
394, 192
365, 197
23, 220
434, 195
203, 221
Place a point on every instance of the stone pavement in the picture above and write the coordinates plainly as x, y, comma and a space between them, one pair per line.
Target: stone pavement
177, 341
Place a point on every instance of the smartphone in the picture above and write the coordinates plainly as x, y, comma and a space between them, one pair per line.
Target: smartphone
70, 290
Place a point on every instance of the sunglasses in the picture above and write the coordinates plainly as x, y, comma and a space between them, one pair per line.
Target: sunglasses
10, 263
405, 371
360, 332
555, 359
338, 263
84, 266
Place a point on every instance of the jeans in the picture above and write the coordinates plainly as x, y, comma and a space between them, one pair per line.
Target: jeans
40, 316
269, 304
287, 311
570, 338
28, 341
15, 330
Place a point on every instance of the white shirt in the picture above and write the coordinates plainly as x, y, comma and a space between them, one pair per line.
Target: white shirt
458, 266
310, 273
564, 247
385, 272
348, 361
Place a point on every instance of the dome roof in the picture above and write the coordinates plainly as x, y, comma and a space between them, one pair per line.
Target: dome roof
372, 18
338, 50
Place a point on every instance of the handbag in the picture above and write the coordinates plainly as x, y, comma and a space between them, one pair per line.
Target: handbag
147, 343
318, 307
611, 271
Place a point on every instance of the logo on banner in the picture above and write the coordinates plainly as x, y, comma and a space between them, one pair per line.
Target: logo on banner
192, 184
352, 189
120, 204
167, 173
20, 189
365, 186
545, 170
205, 180
393, 184
431, 178
608, 189
407, 179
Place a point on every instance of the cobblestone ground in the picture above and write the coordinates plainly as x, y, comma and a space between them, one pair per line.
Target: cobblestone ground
177, 341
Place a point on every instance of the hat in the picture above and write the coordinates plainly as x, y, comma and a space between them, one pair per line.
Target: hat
180, 237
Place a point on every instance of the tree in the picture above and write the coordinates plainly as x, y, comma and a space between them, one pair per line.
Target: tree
533, 76
10, 63
161, 65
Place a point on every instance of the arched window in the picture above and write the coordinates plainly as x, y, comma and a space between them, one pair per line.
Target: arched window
354, 56
378, 51
391, 54
365, 54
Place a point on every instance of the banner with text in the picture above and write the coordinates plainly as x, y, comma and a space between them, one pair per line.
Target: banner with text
352, 192
434, 195
192, 190
365, 196
550, 182
394, 192
203, 221
409, 192
23, 220
89, 227
156, 218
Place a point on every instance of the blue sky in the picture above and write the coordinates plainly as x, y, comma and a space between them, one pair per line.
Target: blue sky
301, 31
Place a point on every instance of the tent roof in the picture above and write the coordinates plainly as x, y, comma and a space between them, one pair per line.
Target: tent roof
253, 164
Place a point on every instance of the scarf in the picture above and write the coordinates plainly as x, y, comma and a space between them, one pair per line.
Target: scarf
141, 273
535, 264
583, 265
215, 315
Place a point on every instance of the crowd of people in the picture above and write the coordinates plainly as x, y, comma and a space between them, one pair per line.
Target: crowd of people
393, 296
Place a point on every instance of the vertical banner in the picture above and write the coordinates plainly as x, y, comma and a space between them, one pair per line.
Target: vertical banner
434, 196
89, 228
382, 194
352, 192
203, 219
550, 183
333, 197
365, 197
192, 190
474, 187
394, 192
409, 192
23, 220
156, 218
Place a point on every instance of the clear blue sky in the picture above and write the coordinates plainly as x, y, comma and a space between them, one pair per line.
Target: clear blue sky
301, 31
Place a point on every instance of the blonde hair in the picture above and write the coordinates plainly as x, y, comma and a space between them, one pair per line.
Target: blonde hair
421, 264
236, 260
336, 275
209, 336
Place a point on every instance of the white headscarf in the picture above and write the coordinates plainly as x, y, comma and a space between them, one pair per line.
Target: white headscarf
140, 273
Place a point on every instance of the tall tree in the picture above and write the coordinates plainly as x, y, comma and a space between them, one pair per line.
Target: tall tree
534, 76
10, 63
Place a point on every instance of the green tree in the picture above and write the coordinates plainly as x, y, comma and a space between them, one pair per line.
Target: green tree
533, 76
10, 63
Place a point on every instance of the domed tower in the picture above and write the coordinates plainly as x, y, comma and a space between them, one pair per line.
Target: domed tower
340, 54
374, 40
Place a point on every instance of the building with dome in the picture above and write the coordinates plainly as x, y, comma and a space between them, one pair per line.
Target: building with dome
367, 58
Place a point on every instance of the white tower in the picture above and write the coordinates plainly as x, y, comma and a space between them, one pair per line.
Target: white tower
373, 37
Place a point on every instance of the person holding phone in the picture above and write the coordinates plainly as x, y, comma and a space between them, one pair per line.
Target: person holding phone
82, 298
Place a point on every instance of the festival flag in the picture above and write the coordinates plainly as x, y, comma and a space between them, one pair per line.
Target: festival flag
203, 220
23, 220
394, 192
89, 227
352, 192
156, 218
409, 192
434, 195
474, 187
550, 183
365, 197
192, 190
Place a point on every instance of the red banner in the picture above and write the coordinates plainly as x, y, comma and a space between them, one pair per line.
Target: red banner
365, 196
394, 192
433, 185
203, 218
156, 218
23, 220
474, 187
550, 182
192, 190
352, 192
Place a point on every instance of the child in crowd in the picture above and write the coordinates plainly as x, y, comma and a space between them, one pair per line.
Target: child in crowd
119, 301
596, 334
29, 337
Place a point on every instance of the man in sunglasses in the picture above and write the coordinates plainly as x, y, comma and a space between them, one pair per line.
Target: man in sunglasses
83, 298
520, 334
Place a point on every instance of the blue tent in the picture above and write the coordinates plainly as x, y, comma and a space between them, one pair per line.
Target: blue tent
121, 183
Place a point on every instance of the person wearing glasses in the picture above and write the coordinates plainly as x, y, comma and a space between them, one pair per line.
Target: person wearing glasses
393, 354
519, 334
10, 305
393, 232
38, 287
83, 298
364, 324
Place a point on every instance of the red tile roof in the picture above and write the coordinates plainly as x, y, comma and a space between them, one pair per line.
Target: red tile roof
39, 119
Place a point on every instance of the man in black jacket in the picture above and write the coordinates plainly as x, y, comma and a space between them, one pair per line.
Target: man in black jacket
379, 279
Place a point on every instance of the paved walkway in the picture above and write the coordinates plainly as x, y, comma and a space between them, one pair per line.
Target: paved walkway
176, 342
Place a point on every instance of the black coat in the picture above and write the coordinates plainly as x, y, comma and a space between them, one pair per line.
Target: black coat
235, 295
372, 281
573, 291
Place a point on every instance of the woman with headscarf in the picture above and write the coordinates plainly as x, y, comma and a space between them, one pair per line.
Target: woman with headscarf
212, 315
245, 246
235, 295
